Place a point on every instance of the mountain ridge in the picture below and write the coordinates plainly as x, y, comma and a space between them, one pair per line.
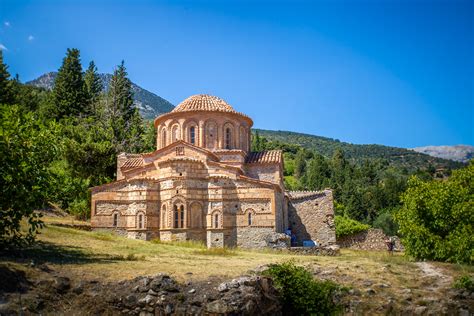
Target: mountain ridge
461, 153
401, 157
150, 104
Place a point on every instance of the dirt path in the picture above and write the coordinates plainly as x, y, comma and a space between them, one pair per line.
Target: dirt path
430, 271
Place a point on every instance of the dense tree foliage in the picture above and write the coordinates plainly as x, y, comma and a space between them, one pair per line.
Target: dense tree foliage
437, 217
27, 148
57, 144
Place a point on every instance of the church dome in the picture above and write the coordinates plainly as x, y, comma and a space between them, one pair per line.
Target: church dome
204, 102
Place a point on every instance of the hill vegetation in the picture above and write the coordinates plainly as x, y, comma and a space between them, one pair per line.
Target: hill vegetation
398, 157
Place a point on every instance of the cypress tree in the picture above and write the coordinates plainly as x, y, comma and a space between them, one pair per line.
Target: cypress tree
69, 95
120, 94
6, 91
121, 112
93, 86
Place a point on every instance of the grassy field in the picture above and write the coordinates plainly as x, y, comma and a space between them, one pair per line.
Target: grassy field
376, 278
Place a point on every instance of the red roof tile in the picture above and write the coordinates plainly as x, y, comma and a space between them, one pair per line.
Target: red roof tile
267, 156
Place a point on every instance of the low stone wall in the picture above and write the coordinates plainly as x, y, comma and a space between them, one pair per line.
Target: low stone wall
372, 239
316, 251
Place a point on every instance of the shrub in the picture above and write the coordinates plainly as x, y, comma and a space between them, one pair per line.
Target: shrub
436, 219
386, 223
465, 282
300, 293
346, 226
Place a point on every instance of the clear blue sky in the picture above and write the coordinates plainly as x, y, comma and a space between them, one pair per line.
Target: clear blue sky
398, 73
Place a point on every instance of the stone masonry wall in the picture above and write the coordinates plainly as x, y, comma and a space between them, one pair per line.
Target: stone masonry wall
311, 216
372, 239
260, 237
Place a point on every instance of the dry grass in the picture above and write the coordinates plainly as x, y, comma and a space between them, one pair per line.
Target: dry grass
104, 256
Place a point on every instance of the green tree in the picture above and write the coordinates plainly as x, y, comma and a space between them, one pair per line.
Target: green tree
27, 149
300, 164
437, 219
120, 112
93, 86
318, 173
69, 95
256, 142
6, 93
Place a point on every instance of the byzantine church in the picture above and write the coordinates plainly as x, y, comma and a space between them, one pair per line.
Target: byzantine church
204, 183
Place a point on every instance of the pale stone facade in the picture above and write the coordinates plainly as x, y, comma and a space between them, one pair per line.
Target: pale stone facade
203, 183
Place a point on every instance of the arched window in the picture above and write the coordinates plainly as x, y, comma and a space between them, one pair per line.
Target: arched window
216, 220
228, 138
250, 218
115, 219
140, 221
163, 138
181, 210
175, 133
176, 217
192, 135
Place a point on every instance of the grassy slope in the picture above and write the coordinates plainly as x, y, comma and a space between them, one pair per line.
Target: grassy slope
84, 255
326, 146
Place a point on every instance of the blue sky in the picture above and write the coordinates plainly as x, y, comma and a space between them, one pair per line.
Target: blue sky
398, 73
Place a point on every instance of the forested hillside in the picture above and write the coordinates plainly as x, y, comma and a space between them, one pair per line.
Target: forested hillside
398, 157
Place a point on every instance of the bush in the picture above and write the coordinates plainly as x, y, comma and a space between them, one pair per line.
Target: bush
386, 223
80, 209
436, 219
300, 293
346, 226
465, 282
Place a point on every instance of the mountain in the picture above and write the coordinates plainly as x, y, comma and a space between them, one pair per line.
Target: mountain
149, 104
400, 157
462, 153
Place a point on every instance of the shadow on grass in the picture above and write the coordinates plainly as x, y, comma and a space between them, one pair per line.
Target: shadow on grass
45, 252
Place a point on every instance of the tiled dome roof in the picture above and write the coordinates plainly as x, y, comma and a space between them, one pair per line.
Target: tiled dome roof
204, 102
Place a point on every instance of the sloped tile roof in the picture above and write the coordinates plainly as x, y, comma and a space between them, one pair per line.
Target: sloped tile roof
132, 163
267, 156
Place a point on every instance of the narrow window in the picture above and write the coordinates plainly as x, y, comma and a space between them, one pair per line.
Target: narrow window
163, 138
228, 136
192, 135
216, 221
176, 217
182, 216
140, 221
250, 219
115, 219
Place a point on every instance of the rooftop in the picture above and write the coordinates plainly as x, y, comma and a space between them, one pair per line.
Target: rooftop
204, 102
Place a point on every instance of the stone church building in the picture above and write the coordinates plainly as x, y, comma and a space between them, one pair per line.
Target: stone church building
203, 183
